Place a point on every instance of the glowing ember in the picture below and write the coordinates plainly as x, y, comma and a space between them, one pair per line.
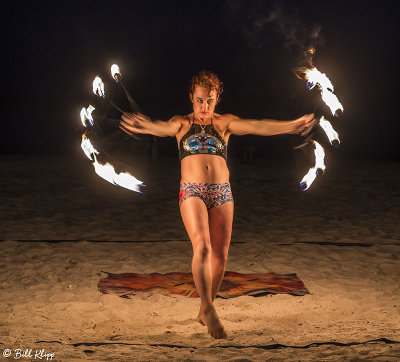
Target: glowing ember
123, 179
330, 132
312, 173
86, 115
98, 87
115, 72
88, 148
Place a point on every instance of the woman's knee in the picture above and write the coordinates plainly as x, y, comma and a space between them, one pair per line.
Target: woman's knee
202, 248
219, 259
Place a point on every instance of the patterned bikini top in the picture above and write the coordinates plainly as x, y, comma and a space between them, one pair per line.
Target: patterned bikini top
200, 139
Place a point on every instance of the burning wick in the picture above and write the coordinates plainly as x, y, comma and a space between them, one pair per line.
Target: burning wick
313, 172
116, 74
98, 89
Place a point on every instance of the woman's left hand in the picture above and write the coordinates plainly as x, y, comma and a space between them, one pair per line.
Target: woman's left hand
303, 125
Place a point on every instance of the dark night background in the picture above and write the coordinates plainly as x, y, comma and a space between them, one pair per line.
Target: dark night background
52, 50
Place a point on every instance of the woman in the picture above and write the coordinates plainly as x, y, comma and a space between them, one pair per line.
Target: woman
205, 198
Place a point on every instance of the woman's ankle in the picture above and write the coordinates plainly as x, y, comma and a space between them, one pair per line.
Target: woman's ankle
207, 308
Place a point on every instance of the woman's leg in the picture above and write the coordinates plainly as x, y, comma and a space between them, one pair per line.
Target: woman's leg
195, 218
220, 220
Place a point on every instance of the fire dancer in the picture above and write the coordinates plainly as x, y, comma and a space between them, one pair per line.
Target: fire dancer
205, 197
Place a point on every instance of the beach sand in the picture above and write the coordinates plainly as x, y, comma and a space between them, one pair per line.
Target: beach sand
61, 225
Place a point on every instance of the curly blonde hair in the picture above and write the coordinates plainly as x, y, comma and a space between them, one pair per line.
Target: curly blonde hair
208, 80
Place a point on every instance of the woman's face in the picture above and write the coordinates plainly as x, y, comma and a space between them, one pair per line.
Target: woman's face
204, 102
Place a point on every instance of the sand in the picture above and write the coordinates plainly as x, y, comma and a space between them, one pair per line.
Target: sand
341, 238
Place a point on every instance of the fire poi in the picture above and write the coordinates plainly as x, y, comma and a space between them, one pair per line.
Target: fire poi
116, 74
315, 78
106, 170
125, 179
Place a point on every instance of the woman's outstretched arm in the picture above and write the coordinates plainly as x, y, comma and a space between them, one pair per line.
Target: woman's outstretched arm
139, 123
269, 127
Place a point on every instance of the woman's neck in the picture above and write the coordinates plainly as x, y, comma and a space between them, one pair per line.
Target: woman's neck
202, 120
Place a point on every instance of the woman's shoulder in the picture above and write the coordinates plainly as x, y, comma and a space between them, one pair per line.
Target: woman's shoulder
223, 119
184, 117
180, 118
184, 122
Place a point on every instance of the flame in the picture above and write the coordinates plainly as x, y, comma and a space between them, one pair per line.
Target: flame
107, 171
88, 148
312, 173
332, 135
315, 77
123, 179
319, 157
331, 101
98, 87
86, 115
308, 179
115, 72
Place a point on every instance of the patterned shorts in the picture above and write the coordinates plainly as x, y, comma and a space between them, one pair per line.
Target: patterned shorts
211, 194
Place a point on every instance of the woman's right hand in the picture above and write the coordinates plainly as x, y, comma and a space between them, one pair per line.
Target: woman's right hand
135, 123
303, 125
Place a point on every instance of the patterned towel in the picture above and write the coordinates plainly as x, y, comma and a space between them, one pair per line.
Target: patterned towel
233, 284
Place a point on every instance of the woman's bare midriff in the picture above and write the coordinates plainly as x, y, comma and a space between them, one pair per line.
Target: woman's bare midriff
204, 169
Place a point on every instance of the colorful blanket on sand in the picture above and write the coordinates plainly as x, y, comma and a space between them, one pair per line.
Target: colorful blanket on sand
233, 284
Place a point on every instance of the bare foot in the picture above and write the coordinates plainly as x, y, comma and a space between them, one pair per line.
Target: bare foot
200, 318
215, 327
